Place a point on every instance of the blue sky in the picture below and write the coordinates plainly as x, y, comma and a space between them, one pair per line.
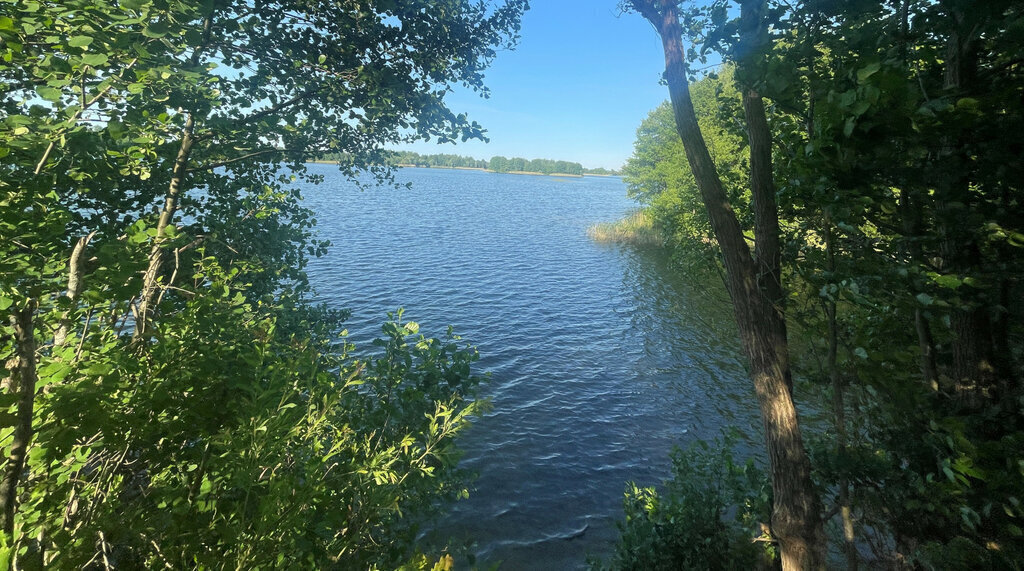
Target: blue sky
576, 87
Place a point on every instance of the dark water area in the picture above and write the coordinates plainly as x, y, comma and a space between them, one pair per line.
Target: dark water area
602, 357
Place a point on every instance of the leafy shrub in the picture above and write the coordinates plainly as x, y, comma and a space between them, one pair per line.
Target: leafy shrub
705, 517
247, 438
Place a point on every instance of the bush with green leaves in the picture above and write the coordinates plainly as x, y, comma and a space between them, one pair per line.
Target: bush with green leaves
706, 516
170, 397
246, 438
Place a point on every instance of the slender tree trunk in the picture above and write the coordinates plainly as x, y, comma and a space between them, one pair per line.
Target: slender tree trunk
911, 219
149, 280
796, 515
23, 383
767, 249
910, 214
174, 188
1001, 351
839, 409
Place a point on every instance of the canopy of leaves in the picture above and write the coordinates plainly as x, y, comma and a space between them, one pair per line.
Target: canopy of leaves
150, 143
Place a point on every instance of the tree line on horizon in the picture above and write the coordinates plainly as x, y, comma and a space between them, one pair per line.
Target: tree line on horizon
498, 164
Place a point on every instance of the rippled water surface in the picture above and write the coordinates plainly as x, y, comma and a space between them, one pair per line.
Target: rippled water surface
602, 357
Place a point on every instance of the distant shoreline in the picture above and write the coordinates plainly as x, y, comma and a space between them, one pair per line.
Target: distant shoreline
558, 174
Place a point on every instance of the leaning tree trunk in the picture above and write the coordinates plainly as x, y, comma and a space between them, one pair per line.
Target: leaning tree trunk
150, 285
796, 515
150, 280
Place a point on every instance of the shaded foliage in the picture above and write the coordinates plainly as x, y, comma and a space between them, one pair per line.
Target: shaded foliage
897, 171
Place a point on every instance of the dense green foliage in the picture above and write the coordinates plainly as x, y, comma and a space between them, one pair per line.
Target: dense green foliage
170, 398
658, 176
899, 180
702, 518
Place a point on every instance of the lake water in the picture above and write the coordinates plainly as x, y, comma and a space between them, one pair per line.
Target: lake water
602, 357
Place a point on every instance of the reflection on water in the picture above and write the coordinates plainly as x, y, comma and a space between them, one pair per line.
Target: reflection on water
602, 358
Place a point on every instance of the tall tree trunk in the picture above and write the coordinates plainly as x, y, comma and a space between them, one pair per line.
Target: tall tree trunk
767, 249
796, 515
910, 214
23, 384
973, 371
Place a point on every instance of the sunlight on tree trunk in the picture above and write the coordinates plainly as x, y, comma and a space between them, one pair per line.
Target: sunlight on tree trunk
796, 516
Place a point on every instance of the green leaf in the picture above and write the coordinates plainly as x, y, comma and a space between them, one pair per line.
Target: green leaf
867, 71
95, 60
967, 103
156, 30
79, 41
860, 352
5, 302
48, 93
948, 281
848, 126
925, 299
116, 129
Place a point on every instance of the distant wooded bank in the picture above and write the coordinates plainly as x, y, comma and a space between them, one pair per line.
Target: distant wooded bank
516, 165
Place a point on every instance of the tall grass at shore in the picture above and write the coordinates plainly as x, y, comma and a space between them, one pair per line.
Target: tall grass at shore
637, 228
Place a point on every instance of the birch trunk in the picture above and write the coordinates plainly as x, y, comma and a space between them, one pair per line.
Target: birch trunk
150, 279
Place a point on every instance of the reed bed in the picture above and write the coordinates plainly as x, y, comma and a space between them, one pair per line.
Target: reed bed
637, 229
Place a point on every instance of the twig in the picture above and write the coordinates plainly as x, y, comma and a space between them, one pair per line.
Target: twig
86, 105
217, 164
103, 550
85, 328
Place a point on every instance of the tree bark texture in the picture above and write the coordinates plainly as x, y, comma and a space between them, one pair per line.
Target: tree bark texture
767, 245
23, 383
796, 515
974, 374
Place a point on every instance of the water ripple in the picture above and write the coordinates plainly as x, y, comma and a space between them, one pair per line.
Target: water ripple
602, 358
